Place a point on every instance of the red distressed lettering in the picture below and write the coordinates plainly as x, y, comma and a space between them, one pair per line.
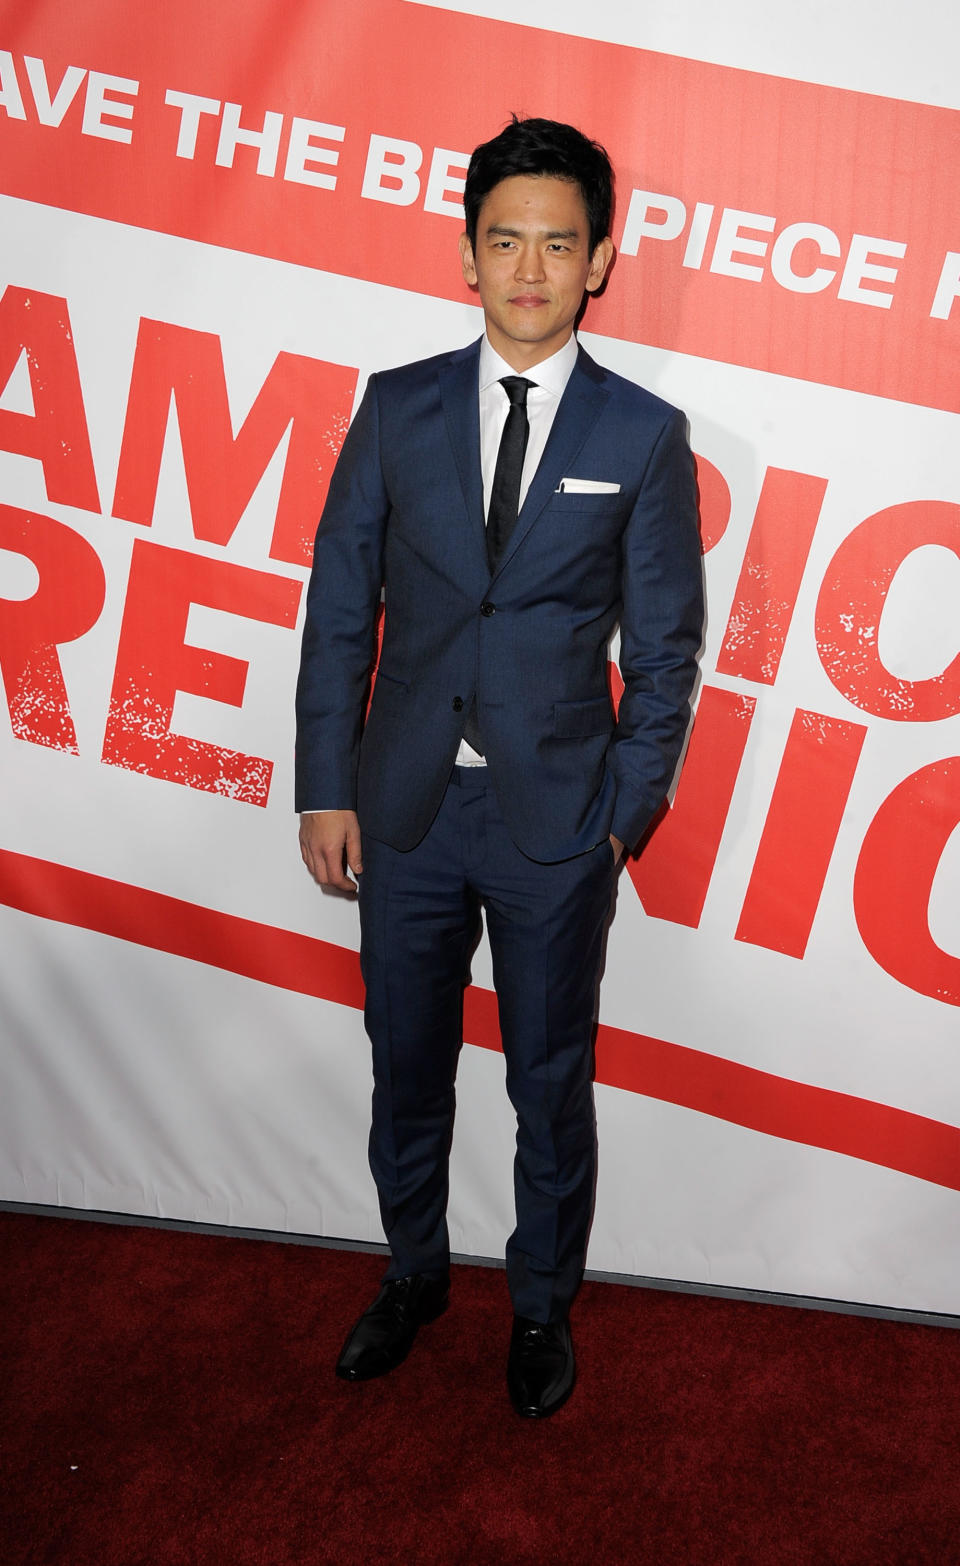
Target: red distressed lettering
850, 605
56, 432
773, 566
672, 873
67, 602
809, 798
899, 858
310, 397
713, 494
154, 662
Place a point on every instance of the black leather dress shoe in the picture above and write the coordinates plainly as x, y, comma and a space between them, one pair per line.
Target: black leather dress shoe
540, 1367
382, 1337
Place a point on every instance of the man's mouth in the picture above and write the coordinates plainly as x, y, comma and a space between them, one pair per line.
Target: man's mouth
527, 301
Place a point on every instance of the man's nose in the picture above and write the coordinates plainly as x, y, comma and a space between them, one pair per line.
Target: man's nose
529, 264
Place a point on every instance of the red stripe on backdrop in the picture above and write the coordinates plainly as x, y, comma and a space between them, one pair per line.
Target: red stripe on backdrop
795, 1111
804, 229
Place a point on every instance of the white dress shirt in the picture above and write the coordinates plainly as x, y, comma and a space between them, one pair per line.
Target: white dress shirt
549, 379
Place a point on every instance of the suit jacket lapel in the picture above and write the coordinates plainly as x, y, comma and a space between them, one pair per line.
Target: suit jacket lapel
461, 407
580, 406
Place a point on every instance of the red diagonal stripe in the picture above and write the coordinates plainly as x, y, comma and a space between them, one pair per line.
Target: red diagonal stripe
733, 139
168, 924
777, 1106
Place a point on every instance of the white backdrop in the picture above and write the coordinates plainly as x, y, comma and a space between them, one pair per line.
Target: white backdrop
778, 1095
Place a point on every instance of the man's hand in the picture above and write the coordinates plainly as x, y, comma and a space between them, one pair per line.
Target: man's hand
617, 847
329, 842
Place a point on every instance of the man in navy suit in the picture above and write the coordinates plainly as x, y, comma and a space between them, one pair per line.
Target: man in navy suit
514, 501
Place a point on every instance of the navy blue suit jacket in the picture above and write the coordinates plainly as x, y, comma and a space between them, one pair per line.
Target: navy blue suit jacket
405, 513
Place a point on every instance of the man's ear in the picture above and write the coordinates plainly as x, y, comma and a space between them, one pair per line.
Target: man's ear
467, 261
599, 262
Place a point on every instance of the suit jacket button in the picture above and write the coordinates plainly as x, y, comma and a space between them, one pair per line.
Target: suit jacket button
458, 703
488, 609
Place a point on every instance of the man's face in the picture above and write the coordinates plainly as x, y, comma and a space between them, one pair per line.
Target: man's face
532, 264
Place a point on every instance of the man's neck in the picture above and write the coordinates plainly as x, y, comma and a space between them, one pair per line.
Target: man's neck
523, 357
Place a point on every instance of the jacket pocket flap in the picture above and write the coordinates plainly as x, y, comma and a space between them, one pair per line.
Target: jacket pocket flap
581, 719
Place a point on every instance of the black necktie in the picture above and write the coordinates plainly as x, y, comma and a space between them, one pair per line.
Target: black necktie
504, 500
505, 494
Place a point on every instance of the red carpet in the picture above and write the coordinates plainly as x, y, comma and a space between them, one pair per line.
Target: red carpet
169, 1398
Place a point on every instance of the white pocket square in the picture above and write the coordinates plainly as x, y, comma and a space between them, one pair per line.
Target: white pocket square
579, 486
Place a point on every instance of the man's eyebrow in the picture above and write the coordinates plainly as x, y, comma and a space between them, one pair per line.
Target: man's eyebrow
549, 233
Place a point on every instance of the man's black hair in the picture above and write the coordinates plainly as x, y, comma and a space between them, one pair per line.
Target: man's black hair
542, 147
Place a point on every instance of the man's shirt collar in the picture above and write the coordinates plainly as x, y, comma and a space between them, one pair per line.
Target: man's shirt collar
551, 374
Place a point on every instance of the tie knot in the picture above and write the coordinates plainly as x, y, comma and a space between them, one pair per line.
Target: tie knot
516, 388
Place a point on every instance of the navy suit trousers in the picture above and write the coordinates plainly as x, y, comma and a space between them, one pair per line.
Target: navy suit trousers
420, 914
